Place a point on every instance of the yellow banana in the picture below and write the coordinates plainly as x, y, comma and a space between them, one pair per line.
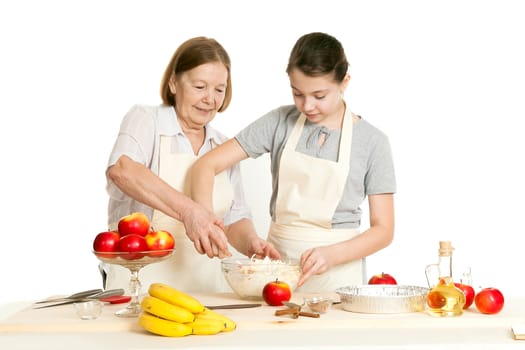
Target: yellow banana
176, 297
160, 326
166, 310
230, 325
206, 326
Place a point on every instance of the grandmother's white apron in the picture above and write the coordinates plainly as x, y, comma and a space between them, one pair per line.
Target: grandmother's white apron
309, 192
186, 270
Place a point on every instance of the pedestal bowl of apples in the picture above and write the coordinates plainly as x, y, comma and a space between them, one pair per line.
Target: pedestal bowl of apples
133, 245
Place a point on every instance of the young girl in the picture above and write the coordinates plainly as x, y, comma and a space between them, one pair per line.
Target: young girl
325, 160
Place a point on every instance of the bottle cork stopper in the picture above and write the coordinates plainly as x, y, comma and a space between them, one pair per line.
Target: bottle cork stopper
445, 248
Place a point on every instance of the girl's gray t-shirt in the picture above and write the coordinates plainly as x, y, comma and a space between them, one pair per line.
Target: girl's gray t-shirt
371, 163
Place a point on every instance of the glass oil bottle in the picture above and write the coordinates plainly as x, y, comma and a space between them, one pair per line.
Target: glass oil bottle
443, 299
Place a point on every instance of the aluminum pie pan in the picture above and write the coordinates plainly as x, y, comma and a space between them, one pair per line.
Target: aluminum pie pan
382, 298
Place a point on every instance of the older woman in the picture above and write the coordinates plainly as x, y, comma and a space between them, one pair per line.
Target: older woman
148, 172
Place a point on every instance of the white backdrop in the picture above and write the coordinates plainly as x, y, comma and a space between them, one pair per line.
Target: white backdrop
444, 79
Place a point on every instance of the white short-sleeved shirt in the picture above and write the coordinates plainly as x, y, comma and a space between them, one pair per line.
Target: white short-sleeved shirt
139, 139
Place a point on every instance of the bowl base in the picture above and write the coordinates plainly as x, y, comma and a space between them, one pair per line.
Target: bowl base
132, 310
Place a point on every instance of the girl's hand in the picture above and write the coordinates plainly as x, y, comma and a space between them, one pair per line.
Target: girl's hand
314, 261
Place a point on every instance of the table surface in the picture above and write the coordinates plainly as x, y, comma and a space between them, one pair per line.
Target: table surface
258, 328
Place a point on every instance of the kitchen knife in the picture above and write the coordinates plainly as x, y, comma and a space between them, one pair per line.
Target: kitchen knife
97, 296
83, 294
233, 306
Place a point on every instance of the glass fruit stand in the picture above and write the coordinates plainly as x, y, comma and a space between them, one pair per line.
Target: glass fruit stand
134, 262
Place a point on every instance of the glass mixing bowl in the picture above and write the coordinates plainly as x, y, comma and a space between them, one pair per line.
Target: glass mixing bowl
248, 276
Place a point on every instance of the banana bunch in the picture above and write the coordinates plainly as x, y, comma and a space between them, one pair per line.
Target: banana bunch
169, 312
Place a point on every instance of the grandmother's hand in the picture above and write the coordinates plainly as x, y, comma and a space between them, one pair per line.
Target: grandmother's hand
261, 248
206, 231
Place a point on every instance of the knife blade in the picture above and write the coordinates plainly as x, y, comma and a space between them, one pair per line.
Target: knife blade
83, 294
233, 306
97, 296
292, 305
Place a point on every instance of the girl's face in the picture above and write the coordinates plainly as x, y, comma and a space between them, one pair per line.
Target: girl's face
199, 93
319, 98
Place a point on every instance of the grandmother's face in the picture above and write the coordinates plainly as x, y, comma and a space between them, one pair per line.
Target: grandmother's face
200, 93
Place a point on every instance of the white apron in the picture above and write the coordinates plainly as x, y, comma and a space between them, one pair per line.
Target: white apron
309, 191
186, 270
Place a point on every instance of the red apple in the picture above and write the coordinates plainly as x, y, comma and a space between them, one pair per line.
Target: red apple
106, 242
274, 293
489, 301
382, 278
134, 223
159, 240
134, 245
469, 293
